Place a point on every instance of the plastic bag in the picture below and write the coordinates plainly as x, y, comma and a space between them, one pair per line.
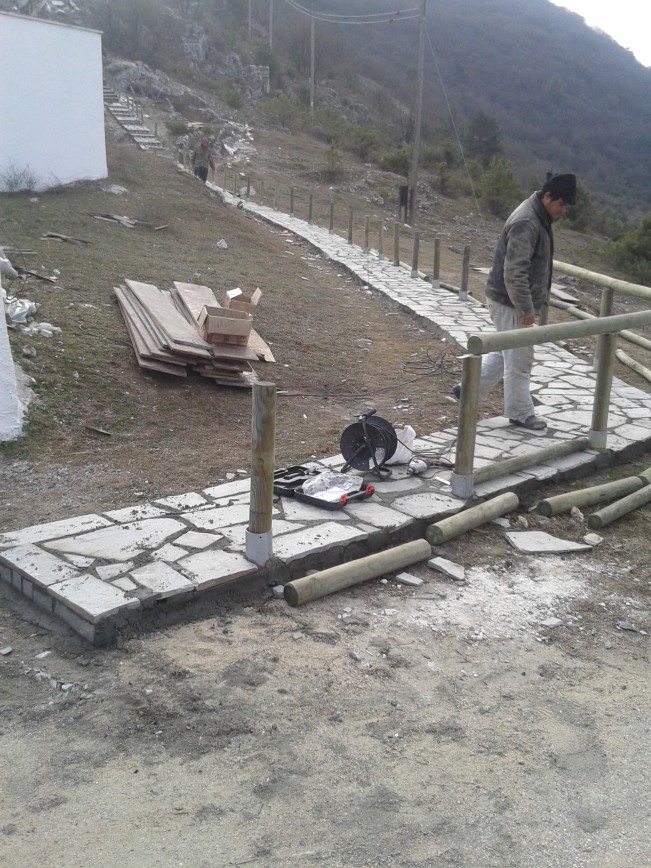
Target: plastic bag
20, 309
403, 453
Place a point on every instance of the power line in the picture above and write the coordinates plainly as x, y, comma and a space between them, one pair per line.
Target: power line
364, 18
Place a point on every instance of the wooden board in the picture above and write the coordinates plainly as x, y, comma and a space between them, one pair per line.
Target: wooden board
167, 316
144, 354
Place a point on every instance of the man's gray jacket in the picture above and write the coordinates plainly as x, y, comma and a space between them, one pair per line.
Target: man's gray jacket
521, 273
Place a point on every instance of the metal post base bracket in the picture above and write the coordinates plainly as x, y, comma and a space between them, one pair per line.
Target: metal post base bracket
259, 547
597, 439
463, 485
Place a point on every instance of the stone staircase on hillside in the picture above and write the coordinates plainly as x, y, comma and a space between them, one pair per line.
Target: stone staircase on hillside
130, 117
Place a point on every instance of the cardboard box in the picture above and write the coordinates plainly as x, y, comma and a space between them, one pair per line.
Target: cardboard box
221, 326
235, 299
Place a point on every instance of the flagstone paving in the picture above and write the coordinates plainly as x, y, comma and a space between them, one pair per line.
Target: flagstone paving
129, 568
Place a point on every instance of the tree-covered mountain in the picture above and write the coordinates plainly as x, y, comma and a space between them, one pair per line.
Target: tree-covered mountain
566, 97
559, 95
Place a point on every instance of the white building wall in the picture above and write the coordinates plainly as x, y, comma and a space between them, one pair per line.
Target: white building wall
11, 408
51, 102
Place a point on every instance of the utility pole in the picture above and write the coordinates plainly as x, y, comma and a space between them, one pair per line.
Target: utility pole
312, 59
249, 19
413, 185
271, 24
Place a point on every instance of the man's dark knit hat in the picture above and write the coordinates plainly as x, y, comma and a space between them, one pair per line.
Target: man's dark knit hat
561, 187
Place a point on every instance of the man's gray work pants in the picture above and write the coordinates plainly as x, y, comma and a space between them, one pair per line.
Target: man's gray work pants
513, 366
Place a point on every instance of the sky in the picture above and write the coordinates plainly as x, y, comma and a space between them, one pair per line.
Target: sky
626, 21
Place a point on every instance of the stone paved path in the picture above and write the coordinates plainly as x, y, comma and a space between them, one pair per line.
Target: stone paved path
137, 566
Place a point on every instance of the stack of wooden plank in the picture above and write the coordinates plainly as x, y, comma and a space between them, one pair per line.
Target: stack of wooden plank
164, 332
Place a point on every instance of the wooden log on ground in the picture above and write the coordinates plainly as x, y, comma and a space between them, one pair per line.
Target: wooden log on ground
455, 525
589, 496
355, 572
622, 507
634, 365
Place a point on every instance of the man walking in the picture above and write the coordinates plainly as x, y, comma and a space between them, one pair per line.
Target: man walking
202, 160
517, 288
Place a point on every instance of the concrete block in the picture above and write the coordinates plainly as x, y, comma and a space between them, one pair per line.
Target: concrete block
79, 625
42, 599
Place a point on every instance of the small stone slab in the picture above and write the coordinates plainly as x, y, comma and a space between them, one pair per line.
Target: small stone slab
377, 515
408, 580
209, 568
448, 568
135, 513
162, 580
535, 542
40, 567
91, 598
169, 553
80, 561
183, 501
195, 540
121, 542
407, 483
53, 530
215, 519
314, 539
109, 571
228, 488
124, 584
298, 511
428, 505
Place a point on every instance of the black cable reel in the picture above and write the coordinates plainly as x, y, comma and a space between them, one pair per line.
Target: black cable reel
369, 444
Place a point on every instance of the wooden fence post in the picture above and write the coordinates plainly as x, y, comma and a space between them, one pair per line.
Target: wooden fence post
259, 538
465, 268
414, 260
436, 267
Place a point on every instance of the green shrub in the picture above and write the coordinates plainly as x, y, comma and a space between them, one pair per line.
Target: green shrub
398, 161
334, 166
363, 141
499, 192
177, 128
282, 111
632, 251
232, 97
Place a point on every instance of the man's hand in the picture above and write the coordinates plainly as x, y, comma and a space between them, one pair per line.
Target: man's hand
527, 319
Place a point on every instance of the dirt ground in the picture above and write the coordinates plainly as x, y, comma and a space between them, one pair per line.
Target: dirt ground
443, 725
